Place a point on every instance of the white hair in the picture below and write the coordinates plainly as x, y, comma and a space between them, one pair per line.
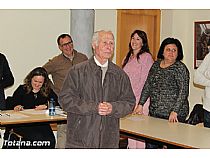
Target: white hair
96, 36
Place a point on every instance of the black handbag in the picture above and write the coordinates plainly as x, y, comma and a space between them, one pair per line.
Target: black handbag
197, 115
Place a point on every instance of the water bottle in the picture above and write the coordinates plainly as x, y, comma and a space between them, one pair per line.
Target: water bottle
52, 107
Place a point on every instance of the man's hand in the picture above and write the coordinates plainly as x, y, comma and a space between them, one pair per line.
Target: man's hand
104, 108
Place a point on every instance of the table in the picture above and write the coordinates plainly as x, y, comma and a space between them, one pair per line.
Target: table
28, 116
177, 134
10, 117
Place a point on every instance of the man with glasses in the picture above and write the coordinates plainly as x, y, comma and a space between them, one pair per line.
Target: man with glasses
58, 68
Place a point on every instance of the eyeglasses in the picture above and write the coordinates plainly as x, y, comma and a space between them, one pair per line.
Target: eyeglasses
171, 50
67, 44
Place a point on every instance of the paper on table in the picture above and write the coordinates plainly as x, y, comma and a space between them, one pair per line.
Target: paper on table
135, 118
59, 111
33, 111
12, 116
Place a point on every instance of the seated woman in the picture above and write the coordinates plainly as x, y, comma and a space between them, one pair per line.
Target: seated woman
34, 94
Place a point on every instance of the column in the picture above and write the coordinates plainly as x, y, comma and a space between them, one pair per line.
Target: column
82, 29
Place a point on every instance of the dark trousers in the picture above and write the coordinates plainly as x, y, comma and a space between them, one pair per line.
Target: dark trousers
153, 145
206, 120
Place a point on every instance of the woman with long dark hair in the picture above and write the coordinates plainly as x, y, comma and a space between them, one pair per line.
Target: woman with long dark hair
137, 64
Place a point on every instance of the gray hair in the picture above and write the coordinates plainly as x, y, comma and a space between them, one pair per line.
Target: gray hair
96, 36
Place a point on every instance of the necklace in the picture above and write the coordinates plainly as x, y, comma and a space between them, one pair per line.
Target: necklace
35, 95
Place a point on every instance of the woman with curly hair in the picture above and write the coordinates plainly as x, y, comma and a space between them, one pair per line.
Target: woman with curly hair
33, 94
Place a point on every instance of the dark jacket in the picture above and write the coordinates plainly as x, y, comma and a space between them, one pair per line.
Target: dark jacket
80, 96
6, 79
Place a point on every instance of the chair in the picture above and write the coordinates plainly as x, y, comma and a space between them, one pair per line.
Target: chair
1, 136
17, 135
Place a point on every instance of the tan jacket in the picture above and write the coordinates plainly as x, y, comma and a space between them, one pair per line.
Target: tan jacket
81, 94
59, 66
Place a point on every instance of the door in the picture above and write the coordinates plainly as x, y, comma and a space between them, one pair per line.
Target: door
137, 19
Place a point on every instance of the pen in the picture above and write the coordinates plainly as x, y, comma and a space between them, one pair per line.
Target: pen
7, 114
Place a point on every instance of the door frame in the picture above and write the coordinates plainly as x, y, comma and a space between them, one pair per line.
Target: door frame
152, 12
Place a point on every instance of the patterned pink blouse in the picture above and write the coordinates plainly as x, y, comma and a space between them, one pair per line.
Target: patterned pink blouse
137, 72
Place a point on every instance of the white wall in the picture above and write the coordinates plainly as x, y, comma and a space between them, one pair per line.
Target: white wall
28, 38
106, 19
180, 24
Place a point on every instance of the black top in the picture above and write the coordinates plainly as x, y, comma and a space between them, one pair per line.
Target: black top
31, 100
6, 79
32, 131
